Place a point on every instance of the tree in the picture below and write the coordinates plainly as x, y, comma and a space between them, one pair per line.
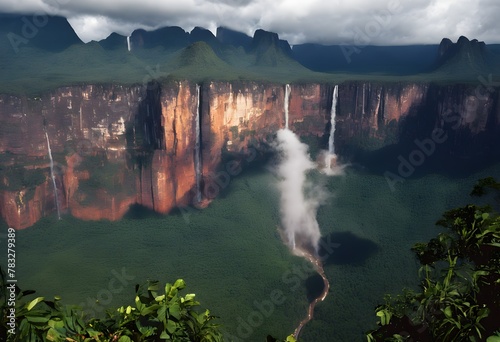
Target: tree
156, 316
460, 281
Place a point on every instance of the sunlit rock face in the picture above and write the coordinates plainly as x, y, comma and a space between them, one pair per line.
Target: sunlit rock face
114, 146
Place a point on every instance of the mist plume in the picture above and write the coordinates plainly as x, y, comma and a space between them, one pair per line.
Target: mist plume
300, 198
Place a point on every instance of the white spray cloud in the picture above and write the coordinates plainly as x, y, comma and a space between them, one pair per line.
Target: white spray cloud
300, 198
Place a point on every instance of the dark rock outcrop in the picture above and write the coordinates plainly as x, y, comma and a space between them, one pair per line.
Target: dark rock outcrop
230, 37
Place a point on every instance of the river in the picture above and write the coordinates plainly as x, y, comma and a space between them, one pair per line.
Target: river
318, 265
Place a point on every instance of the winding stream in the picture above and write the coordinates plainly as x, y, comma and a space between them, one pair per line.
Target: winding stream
318, 265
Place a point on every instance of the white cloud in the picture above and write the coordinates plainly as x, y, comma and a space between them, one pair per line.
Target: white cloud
384, 22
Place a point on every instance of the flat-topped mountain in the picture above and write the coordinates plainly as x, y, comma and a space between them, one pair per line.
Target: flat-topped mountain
171, 38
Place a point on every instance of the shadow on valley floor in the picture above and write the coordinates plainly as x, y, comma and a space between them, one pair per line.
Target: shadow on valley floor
139, 212
345, 248
314, 287
397, 159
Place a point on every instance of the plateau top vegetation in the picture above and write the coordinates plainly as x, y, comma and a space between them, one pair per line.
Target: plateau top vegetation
43, 53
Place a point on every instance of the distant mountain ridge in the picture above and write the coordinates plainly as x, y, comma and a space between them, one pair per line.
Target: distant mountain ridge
48, 47
269, 49
54, 33
398, 60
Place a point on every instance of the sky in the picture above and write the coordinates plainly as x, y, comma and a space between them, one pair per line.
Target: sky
353, 22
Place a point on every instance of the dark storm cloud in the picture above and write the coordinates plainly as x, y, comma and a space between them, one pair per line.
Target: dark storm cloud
380, 22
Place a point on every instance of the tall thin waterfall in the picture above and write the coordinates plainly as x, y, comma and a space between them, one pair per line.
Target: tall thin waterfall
197, 153
53, 177
287, 96
128, 43
333, 112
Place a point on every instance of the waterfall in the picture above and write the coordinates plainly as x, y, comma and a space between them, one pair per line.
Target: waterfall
197, 153
333, 112
332, 167
128, 43
52, 176
81, 122
300, 196
287, 96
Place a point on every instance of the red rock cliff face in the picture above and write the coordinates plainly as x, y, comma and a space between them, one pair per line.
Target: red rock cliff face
242, 117
99, 204
165, 182
114, 146
79, 121
74, 117
237, 115
475, 108
380, 114
365, 109
309, 108
179, 111
24, 207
